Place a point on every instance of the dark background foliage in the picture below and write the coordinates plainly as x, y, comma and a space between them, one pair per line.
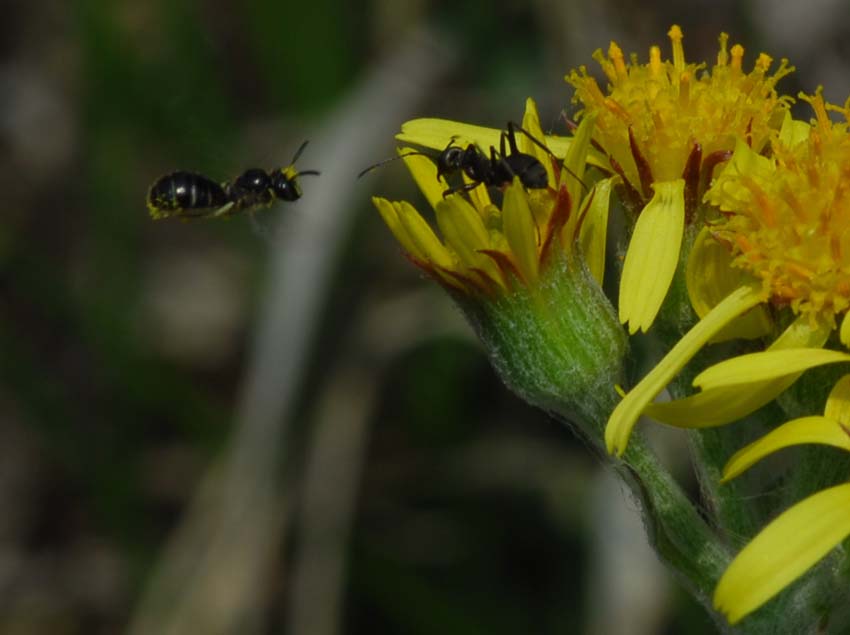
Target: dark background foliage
396, 487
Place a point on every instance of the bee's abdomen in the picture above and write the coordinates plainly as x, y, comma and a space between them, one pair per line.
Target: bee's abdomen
180, 192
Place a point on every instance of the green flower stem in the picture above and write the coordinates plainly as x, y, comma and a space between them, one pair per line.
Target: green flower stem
559, 345
674, 527
555, 343
732, 511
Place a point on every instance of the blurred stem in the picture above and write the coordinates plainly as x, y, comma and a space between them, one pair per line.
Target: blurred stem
213, 576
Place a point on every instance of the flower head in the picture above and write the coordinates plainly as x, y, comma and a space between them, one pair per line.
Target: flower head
664, 126
783, 242
487, 248
780, 240
787, 217
655, 113
526, 270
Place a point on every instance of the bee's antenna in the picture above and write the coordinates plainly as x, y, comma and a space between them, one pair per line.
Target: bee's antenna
298, 152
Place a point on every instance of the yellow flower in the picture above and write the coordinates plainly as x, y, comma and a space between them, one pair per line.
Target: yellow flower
782, 240
785, 243
525, 266
664, 127
487, 249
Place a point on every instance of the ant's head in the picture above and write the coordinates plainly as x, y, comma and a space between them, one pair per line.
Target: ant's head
450, 159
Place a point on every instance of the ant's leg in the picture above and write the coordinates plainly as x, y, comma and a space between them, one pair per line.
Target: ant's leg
513, 128
500, 160
466, 187
516, 127
512, 138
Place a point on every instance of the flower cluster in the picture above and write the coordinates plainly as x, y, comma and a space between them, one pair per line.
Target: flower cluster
726, 198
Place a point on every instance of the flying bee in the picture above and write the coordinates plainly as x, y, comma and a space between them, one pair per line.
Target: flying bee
188, 195
497, 170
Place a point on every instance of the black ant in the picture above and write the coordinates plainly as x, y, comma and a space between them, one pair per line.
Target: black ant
191, 195
496, 171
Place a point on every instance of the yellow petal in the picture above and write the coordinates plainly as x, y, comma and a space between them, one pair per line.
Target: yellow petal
720, 406
436, 134
793, 131
464, 232
838, 403
576, 160
389, 213
652, 256
795, 432
710, 277
479, 196
424, 172
754, 367
520, 230
717, 407
531, 123
626, 413
594, 227
423, 236
844, 333
783, 551
747, 164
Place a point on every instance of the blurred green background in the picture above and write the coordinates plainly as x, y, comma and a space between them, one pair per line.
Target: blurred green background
279, 426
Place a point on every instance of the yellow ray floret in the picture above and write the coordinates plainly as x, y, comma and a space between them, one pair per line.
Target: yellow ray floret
626, 413
801, 536
725, 404
755, 367
710, 277
593, 233
519, 229
783, 551
815, 429
833, 428
652, 256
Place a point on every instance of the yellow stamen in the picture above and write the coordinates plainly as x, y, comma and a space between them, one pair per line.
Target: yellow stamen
722, 54
656, 67
675, 34
737, 56
615, 54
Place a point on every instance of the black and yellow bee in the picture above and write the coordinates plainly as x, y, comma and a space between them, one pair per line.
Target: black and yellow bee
189, 195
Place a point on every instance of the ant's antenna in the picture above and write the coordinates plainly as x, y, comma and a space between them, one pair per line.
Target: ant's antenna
390, 160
